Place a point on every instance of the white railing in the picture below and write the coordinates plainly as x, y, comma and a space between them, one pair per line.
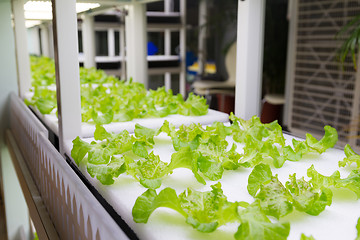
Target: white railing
73, 209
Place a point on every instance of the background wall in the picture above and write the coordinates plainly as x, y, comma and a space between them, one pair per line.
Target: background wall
8, 75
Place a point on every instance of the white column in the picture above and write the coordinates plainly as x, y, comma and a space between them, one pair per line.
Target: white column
44, 35
136, 43
355, 110
202, 36
250, 38
21, 47
122, 52
67, 70
88, 39
8, 75
183, 48
167, 45
290, 63
111, 42
168, 6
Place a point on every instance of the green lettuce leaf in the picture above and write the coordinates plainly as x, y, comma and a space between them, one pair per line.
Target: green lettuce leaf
208, 210
79, 150
275, 199
352, 182
256, 225
261, 174
304, 237
320, 181
142, 132
186, 158
351, 157
107, 172
152, 169
328, 141
149, 201
306, 198
358, 229
204, 211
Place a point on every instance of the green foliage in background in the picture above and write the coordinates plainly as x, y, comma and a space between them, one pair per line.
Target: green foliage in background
105, 99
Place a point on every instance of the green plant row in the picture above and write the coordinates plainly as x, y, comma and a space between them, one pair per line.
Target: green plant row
202, 150
206, 153
105, 99
206, 211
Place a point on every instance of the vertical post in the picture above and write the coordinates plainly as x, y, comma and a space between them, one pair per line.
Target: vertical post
168, 6
183, 48
16, 211
250, 43
355, 111
290, 63
7, 65
88, 38
67, 70
111, 42
202, 36
122, 52
21, 48
44, 34
167, 46
136, 43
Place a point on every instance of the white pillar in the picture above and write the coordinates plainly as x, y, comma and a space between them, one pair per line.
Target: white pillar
122, 52
355, 113
183, 48
8, 73
88, 39
67, 70
136, 43
290, 62
168, 6
250, 38
202, 36
111, 42
44, 35
21, 47
167, 45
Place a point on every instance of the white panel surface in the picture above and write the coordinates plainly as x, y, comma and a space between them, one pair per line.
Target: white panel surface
87, 129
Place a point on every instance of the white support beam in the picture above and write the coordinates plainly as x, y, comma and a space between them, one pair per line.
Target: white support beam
136, 43
88, 39
290, 61
169, 6
8, 74
183, 48
21, 47
44, 35
250, 39
122, 52
67, 70
111, 42
355, 110
167, 42
167, 46
202, 36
